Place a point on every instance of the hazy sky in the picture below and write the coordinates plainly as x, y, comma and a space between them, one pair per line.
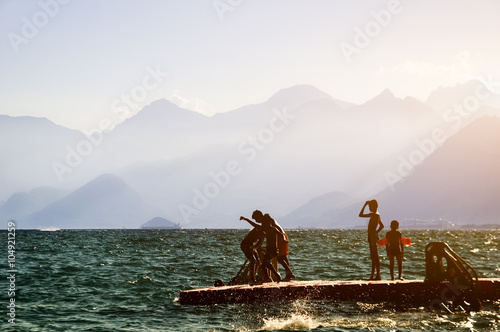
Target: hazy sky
75, 62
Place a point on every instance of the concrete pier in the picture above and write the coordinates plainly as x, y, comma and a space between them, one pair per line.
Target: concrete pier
410, 292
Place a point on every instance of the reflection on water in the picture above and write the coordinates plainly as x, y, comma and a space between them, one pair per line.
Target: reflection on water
129, 280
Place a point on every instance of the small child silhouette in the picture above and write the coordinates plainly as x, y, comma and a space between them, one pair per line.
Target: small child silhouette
395, 249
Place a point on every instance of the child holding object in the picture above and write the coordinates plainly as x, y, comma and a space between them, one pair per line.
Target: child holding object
395, 248
375, 225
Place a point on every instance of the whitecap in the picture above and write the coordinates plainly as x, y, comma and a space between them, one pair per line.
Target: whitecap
293, 323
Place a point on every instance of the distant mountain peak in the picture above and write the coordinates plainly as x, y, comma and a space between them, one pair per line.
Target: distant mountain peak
105, 184
161, 106
162, 102
160, 223
383, 99
385, 95
161, 112
299, 93
105, 202
387, 92
165, 106
301, 88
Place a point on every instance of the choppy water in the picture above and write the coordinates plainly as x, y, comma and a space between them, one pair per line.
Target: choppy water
129, 280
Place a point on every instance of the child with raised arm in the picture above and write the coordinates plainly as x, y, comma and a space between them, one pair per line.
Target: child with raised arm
375, 225
395, 248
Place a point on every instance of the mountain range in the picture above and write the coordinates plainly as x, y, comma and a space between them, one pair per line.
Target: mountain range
458, 182
105, 202
301, 155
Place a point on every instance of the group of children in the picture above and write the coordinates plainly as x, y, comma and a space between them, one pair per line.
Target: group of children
267, 228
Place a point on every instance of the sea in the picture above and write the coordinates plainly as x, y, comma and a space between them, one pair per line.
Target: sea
130, 280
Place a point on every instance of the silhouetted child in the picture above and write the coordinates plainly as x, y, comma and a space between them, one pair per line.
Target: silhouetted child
250, 244
272, 234
282, 249
375, 225
395, 248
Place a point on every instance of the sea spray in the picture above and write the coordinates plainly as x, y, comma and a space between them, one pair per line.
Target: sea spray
293, 323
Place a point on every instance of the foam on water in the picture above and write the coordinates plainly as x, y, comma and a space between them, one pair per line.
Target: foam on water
292, 323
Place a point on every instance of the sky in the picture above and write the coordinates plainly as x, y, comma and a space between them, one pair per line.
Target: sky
78, 62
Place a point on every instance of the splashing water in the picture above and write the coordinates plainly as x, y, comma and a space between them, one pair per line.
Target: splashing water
293, 323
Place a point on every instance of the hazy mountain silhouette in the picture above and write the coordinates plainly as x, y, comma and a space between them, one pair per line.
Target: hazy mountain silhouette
105, 202
445, 98
29, 146
322, 147
20, 205
296, 145
238, 124
298, 95
160, 223
161, 130
319, 211
459, 182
